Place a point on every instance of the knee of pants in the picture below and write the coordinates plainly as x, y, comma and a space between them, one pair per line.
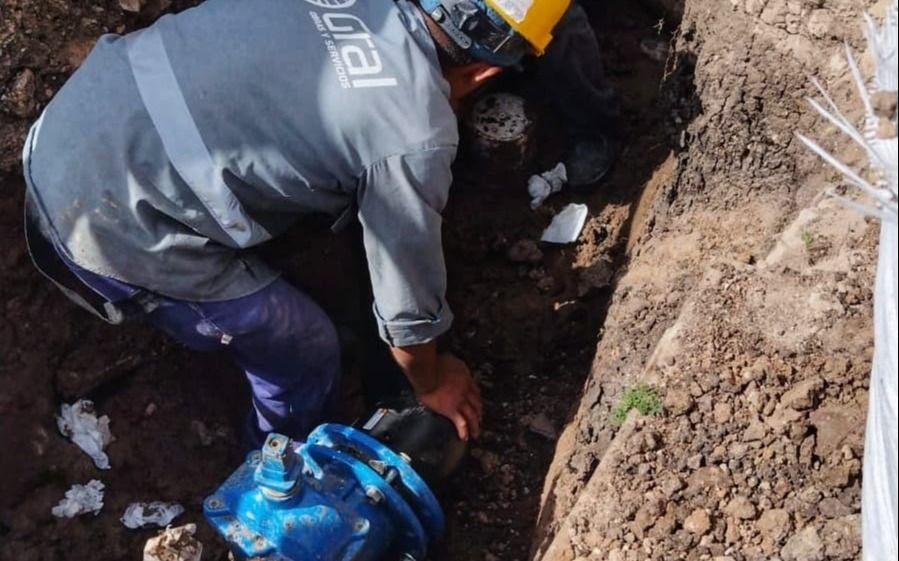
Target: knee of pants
287, 339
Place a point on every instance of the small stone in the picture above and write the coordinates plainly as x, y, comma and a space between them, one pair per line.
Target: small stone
805, 545
202, 431
695, 461
774, 525
836, 477
651, 441
782, 418
698, 522
150, 409
842, 537
671, 485
678, 402
732, 533
803, 395
832, 425
525, 251
833, 508
755, 431
133, 6
819, 23
20, 96
541, 425
723, 413
740, 507
709, 481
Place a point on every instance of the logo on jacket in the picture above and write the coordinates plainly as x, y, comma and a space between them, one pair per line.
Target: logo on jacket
337, 4
352, 51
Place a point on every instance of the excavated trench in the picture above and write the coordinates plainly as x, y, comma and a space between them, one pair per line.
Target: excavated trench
526, 323
692, 275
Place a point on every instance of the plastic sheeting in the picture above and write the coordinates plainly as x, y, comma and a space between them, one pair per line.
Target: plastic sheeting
879, 484
139, 515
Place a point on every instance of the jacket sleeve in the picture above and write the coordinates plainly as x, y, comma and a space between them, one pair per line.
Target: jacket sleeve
400, 199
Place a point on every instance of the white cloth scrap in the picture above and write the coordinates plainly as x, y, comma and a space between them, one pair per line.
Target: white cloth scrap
567, 225
545, 184
80, 499
138, 515
79, 423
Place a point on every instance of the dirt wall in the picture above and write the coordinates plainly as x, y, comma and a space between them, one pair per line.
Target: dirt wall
745, 302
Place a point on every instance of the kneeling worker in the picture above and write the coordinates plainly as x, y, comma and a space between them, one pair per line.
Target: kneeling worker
173, 152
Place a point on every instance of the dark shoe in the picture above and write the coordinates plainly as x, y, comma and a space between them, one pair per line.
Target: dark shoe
589, 161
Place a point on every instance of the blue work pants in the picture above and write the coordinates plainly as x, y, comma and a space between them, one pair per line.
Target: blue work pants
281, 338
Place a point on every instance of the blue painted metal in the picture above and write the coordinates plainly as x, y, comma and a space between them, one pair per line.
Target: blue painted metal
341, 496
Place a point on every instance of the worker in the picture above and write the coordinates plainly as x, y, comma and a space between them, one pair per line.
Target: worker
175, 151
572, 78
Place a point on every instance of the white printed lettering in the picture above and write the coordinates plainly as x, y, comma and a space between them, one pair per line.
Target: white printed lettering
352, 50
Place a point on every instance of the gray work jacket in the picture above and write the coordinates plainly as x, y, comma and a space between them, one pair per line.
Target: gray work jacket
174, 150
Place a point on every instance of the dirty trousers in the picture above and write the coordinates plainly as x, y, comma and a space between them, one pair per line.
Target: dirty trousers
279, 336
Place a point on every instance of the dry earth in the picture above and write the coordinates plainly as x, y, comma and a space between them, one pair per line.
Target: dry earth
746, 302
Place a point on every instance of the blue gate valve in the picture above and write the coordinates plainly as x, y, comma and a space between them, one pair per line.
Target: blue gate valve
340, 496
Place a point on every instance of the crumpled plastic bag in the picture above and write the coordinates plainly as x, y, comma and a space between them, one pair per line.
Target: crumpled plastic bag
138, 515
80, 424
174, 544
545, 184
80, 499
567, 225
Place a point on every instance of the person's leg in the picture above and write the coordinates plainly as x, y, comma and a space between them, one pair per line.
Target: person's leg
571, 75
282, 339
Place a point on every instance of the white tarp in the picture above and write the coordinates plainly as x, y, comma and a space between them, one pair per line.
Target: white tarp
879, 483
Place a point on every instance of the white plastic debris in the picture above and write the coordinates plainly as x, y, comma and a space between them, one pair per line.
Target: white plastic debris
567, 225
80, 499
138, 515
174, 544
79, 423
545, 184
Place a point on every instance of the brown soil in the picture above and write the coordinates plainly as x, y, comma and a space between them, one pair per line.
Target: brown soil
746, 304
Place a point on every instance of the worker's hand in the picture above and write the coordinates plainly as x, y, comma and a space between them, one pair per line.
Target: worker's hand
456, 396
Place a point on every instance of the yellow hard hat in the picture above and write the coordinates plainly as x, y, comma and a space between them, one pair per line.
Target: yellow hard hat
498, 31
532, 19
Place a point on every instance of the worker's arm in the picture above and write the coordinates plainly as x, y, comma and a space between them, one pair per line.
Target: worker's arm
400, 199
444, 384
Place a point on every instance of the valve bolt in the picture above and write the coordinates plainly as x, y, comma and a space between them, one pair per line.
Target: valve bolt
374, 495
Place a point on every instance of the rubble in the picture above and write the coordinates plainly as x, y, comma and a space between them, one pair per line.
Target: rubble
174, 544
